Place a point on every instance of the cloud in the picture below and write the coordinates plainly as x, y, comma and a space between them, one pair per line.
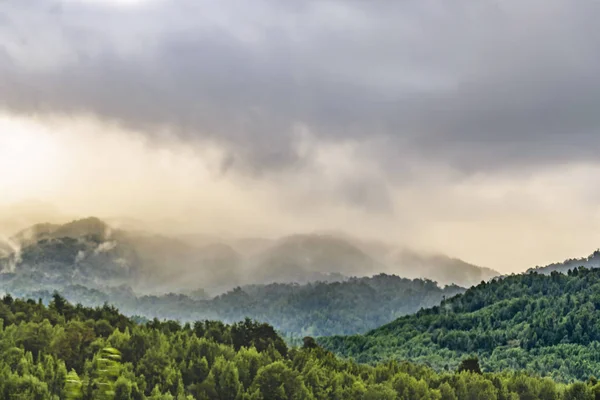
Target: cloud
105, 247
474, 85
456, 126
505, 221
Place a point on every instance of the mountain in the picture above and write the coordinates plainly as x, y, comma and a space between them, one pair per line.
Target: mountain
437, 267
410, 263
303, 258
546, 324
81, 251
245, 246
250, 246
87, 228
92, 263
591, 261
90, 252
170, 264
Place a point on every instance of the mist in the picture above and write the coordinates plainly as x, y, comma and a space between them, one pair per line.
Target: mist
439, 132
63, 169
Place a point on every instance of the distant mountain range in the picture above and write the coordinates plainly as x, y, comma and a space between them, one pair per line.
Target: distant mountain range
320, 308
91, 252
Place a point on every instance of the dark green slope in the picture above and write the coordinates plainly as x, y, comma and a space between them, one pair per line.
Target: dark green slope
354, 306
548, 324
323, 308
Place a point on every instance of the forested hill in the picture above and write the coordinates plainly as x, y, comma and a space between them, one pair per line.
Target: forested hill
547, 324
90, 252
315, 309
72, 352
591, 261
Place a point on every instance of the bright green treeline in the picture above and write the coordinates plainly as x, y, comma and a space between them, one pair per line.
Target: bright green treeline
544, 324
72, 352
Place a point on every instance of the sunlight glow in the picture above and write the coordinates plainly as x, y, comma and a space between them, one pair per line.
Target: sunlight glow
29, 159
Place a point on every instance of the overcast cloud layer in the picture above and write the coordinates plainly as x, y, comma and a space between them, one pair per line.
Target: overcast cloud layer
473, 84
383, 107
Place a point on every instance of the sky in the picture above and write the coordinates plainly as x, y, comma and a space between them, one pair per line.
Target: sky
466, 127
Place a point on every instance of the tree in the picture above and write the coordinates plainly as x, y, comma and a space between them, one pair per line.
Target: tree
59, 303
225, 380
123, 389
470, 364
309, 343
446, 392
107, 370
479, 388
25, 387
248, 362
578, 391
71, 343
379, 391
277, 381
169, 362
72, 390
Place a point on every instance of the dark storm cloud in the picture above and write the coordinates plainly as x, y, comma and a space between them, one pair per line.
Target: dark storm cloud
470, 84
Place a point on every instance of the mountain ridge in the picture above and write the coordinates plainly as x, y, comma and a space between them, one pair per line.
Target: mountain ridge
543, 324
175, 263
591, 261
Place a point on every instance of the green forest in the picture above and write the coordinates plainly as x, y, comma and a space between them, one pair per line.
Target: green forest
543, 324
529, 336
62, 351
356, 305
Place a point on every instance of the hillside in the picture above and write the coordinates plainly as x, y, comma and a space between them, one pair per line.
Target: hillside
90, 252
316, 309
170, 264
81, 228
591, 261
83, 251
410, 263
65, 352
547, 324
303, 258
438, 267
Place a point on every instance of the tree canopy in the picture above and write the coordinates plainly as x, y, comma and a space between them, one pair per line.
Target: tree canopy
543, 324
65, 351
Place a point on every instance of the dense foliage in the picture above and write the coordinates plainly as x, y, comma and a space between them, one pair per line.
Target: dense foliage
315, 309
547, 324
72, 352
